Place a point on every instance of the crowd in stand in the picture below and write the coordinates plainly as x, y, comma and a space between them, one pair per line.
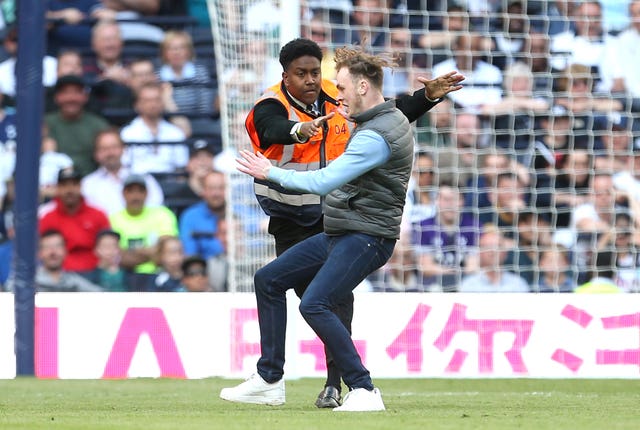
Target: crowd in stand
527, 180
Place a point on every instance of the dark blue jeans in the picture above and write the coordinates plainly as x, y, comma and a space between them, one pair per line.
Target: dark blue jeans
331, 266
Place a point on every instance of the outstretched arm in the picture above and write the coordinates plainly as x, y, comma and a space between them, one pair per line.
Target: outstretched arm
417, 104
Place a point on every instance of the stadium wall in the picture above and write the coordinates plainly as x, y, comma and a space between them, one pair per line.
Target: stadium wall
128, 335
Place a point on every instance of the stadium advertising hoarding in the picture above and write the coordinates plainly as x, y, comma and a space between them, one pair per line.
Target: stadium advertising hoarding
188, 335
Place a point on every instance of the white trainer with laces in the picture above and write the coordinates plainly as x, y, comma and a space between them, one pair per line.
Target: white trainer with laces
362, 400
257, 391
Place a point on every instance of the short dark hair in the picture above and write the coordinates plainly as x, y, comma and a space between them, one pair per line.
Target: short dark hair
51, 232
299, 48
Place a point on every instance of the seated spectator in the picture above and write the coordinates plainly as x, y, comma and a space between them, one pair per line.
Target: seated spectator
512, 117
72, 127
198, 223
482, 183
555, 271
535, 52
483, 80
369, 24
627, 44
532, 234
446, 243
142, 72
508, 199
78, 222
181, 192
51, 163
589, 109
623, 241
194, 85
439, 42
8, 141
151, 128
169, 259
140, 227
401, 79
492, 277
421, 194
591, 46
50, 273
8, 67
591, 220
109, 274
318, 31
602, 276
129, 15
106, 70
7, 231
457, 162
69, 62
194, 275
512, 27
69, 23
102, 188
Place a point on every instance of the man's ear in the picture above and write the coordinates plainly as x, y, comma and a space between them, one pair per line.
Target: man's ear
362, 87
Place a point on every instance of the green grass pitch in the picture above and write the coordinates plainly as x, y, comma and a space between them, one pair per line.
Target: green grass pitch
28, 403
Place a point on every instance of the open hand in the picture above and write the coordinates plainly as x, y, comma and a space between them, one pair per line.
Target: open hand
442, 85
256, 165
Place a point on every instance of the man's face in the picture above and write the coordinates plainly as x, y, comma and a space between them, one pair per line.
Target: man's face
303, 79
69, 64
141, 72
213, 191
347, 93
149, 103
69, 193
107, 43
71, 100
52, 252
108, 152
134, 197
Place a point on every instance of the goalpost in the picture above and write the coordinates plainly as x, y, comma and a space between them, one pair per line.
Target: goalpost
247, 37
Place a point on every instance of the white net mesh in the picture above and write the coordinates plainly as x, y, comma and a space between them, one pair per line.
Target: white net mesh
539, 145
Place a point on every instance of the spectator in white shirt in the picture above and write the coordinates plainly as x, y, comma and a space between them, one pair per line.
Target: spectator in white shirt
629, 51
8, 66
483, 81
150, 127
103, 187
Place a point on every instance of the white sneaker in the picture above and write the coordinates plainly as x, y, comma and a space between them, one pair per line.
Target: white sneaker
256, 390
362, 400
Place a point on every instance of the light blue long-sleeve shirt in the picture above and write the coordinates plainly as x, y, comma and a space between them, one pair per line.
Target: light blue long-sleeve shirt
366, 151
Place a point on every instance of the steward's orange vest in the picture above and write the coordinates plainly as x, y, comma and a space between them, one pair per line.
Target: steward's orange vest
317, 152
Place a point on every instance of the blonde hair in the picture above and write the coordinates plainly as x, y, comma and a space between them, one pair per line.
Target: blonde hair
173, 35
364, 65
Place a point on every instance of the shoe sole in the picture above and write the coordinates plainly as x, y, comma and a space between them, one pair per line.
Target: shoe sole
254, 400
328, 403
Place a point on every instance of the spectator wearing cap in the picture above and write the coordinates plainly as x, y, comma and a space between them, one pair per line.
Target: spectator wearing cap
103, 187
8, 66
71, 125
78, 222
152, 130
140, 226
198, 223
194, 275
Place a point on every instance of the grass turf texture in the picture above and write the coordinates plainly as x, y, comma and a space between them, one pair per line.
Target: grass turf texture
28, 403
